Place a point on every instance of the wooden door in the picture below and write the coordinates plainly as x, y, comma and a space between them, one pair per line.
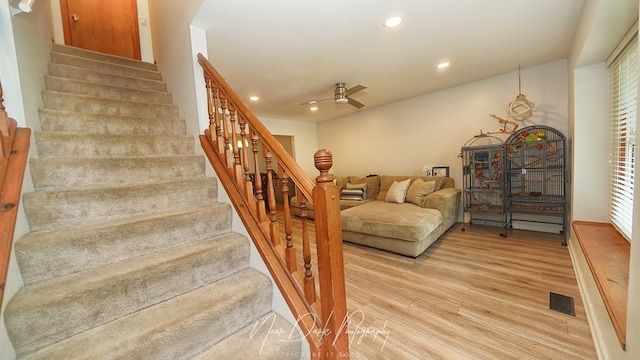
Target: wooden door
107, 26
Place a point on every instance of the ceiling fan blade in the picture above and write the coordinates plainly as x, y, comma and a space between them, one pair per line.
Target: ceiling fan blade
355, 103
355, 89
315, 101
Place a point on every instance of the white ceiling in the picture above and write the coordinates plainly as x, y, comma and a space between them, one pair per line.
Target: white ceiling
291, 51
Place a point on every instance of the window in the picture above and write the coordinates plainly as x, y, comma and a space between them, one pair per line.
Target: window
624, 91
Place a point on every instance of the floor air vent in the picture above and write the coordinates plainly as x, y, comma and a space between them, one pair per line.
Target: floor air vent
561, 303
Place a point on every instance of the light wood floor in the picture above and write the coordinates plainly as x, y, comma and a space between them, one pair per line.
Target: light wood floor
471, 295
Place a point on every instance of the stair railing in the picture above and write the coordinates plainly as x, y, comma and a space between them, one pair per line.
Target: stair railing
14, 148
243, 153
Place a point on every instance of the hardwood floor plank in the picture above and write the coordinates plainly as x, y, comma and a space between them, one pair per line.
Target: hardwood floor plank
471, 295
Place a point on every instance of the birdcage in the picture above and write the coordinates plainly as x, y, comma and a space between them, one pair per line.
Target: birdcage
536, 177
483, 174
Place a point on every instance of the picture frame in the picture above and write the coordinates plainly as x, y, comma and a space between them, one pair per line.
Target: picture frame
440, 171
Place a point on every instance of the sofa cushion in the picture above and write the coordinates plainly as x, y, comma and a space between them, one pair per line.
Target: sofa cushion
398, 191
400, 221
346, 204
419, 190
387, 180
373, 184
341, 181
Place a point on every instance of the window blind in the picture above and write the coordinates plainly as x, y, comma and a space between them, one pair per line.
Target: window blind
624, 90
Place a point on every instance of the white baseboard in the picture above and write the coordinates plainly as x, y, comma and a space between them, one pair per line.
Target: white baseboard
596, 333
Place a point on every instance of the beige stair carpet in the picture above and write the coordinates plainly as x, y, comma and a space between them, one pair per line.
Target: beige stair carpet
130, 254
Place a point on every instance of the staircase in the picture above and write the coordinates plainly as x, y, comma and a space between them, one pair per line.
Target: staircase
130, 254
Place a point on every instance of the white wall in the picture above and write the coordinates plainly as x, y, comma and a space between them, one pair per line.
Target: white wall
305, 139
25, 40
591, 143
400, 138
602, 25
170, 32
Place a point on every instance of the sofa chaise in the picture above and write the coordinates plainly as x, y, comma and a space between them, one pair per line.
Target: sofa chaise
401, 214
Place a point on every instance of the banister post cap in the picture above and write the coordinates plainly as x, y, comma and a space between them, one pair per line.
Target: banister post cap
323, 161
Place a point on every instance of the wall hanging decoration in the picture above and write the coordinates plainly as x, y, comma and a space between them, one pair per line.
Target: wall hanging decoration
508, 126
519, 109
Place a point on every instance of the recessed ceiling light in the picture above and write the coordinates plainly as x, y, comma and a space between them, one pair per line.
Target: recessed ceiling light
443, 65
313, 108
393, 21
312, 102
254, 98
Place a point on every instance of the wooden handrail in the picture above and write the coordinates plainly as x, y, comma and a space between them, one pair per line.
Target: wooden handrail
243, 153
302, 181
14, 148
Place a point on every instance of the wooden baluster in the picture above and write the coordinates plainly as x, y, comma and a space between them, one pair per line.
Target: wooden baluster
309, 281
217, 119
290, 251
326, 207
247, 185
274, 232
237, 166
225, 134
212, 125
261, 212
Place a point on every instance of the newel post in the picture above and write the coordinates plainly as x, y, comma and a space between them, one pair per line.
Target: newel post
326, 199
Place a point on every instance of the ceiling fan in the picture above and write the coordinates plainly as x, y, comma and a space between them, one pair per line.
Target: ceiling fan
342, 95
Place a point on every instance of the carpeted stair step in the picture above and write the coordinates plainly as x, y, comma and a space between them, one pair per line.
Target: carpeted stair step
129, 254
270, 337
104, 66
70, 50
66, 306
55, 144
179, 328
95, 105
81, 173
48, 210
45, 255
97, 77
81, 87
78, 122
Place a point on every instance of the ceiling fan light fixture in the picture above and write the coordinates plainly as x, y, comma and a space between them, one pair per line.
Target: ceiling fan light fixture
340, 93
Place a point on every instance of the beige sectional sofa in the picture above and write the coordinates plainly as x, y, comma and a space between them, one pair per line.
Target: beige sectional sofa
405, 223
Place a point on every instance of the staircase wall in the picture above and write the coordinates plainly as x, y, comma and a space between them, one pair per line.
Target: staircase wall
176, 43
25, 40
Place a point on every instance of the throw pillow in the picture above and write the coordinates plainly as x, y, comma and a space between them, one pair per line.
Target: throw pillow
373, 185
362, 187
440, 180
352, 194
419, 190
398, 191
